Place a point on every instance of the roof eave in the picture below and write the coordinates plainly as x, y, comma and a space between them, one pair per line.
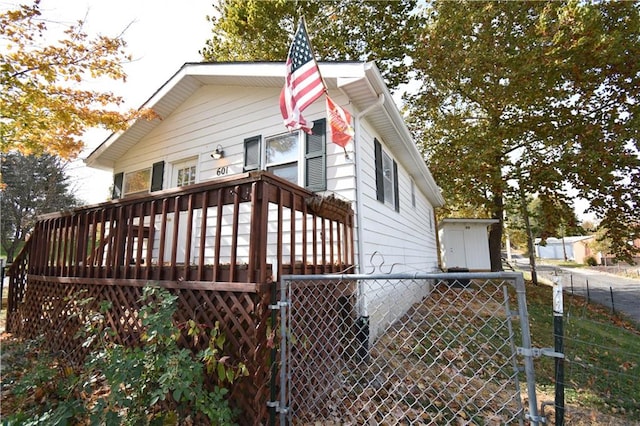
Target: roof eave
191, 76
391, 110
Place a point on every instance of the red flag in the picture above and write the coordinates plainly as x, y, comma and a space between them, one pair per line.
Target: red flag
303, 83
340, 123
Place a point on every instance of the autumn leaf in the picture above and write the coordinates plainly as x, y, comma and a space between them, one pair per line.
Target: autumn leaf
42, 104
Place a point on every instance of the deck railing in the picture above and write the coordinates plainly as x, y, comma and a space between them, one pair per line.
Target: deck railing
240, 229
217, 246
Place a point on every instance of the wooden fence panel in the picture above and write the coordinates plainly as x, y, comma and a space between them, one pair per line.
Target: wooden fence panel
58, 310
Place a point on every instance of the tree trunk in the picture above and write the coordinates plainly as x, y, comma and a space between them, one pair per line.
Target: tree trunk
495, 235
530, 247
495, 246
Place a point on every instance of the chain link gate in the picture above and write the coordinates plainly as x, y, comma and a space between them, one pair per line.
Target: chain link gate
404, 349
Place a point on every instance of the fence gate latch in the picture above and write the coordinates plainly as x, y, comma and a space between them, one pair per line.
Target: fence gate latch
537, 352
279, 305
537, 419
276, 405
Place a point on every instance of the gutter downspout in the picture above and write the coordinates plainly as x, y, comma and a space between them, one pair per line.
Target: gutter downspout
362, 323
357, 154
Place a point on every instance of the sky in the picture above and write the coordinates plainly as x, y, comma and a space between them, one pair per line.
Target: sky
161, 36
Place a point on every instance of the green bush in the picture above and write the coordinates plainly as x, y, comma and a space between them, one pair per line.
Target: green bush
591, 261
158, 383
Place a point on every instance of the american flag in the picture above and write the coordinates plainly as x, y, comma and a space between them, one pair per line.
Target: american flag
303, 83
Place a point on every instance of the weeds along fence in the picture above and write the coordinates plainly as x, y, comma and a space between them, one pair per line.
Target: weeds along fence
631, 271
601, 348
57, 312
405, 349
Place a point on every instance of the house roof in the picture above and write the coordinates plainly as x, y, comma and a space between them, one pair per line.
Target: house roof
361, 82
468, 221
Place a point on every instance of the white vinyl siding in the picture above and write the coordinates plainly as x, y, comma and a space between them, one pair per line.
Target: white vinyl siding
393, 241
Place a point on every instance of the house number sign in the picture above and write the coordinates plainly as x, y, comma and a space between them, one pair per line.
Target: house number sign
221, 171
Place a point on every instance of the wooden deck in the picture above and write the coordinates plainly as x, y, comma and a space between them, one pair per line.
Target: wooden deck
218, 245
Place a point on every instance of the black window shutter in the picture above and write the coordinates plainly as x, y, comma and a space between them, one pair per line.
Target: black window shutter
396, 192
118, 179
157, 175
252, 154
316, 157
379, 171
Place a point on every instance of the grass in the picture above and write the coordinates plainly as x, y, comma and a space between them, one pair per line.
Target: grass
602, 351
561, 263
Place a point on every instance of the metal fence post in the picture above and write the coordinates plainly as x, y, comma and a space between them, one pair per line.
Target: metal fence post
284, 351
272, 354
613, 306
528, 353
558, 336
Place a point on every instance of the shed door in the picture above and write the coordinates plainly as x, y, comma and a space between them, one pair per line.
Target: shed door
456, 256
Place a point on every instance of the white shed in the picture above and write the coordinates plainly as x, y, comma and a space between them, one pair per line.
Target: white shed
464, 243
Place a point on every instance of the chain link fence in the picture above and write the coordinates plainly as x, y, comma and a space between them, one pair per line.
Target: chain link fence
405, 349
600, 341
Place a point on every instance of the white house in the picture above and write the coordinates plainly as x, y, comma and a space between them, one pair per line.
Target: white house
574, 248
223, 119
464, 243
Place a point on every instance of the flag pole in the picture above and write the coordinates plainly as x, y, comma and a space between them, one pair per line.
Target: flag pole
313, 53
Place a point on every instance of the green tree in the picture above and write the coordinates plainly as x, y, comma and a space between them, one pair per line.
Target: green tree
42, 109
602, 243
514, 97
554, 218
258, 30
534, 98
34, 185
546, 218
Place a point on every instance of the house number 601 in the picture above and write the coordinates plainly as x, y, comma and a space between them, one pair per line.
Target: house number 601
222, 171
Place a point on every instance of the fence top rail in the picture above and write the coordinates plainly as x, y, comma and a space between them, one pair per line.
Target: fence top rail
507, 275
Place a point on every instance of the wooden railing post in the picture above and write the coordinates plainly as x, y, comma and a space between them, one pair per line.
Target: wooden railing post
258, 233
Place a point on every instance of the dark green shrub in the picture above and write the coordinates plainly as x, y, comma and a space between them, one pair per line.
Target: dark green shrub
156, 383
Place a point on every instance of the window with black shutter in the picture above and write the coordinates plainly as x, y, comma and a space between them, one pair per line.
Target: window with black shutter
387, 190
315, 157
295, 156
252, 154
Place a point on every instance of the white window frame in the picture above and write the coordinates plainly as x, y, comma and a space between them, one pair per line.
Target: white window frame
128, 178
177, 166
299, 160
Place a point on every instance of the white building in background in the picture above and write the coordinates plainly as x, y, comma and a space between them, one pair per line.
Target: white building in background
464, 244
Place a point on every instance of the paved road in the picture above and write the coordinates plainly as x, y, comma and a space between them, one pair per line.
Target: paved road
597, 286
